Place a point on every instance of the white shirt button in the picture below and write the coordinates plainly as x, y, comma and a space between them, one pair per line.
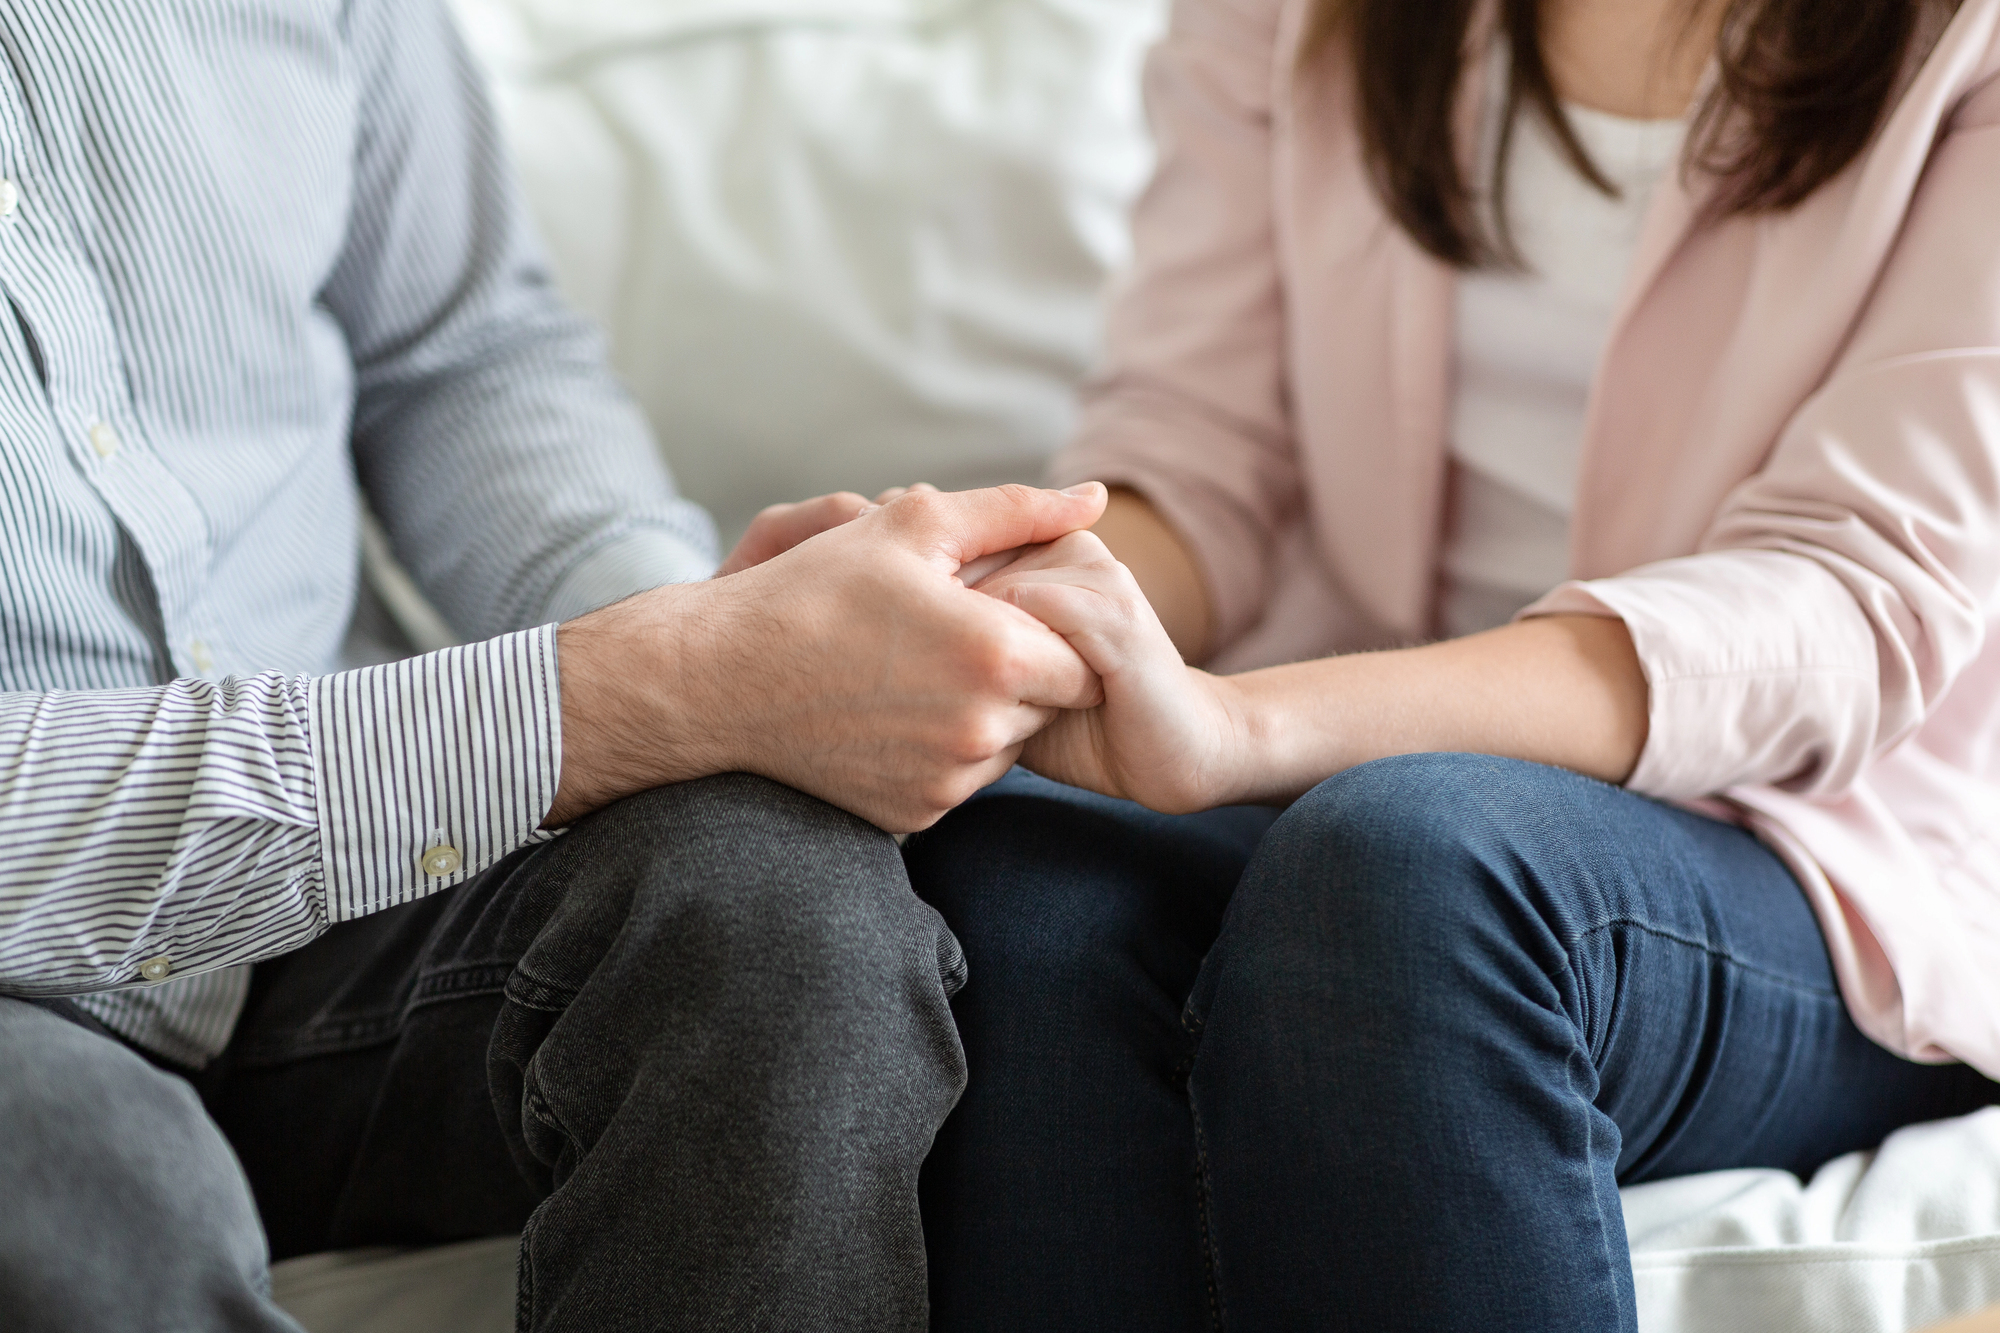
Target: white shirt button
104, 440
198, 653
10, 198
442, 860
156, 969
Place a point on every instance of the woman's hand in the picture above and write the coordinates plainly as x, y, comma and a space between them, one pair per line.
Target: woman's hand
778, 528
1562, 690
1166, 735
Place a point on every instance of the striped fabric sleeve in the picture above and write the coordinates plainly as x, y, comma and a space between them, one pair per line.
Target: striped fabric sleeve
162, 832
643, 559
431, 769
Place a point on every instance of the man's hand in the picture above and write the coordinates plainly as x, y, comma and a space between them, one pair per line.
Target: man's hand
855, 665
778, 528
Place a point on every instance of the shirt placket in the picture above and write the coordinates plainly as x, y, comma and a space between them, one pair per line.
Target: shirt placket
57, 294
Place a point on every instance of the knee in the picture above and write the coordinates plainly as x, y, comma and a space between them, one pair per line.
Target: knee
725, 932
122, 1195
752, 876
1397, 867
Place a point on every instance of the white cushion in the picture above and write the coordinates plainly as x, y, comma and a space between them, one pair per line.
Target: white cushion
1889, 1240
837, 244
1878, 1243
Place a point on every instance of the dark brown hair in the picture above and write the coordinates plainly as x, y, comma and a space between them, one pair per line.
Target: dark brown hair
1801, 87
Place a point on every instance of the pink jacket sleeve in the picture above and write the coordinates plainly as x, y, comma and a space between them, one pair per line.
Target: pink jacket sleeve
1190, 408
1843, 588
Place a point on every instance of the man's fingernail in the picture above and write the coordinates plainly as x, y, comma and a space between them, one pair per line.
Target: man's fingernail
1081, 489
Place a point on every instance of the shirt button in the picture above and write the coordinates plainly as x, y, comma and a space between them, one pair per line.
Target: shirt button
104, 440
10, 198
199, 655
441, 861
156, 969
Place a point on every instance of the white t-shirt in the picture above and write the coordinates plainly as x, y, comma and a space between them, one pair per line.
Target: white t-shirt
1526, 353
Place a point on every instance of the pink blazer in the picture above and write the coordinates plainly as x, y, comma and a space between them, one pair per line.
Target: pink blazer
1790, 489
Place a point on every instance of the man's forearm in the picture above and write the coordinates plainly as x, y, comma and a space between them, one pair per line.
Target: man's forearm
113, 802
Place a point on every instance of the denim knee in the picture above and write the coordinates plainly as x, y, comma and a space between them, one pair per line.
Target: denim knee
766, 877
124, 1204
1384, 877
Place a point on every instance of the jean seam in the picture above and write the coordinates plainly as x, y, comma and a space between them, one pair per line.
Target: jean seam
358, 1031
524, 1273
530, 993
320, 1039
1822, 992
459, 982
1193, 1024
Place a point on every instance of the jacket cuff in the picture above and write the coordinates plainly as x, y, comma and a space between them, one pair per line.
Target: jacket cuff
1760, 669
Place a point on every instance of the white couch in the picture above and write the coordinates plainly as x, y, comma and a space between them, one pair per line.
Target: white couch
853, 243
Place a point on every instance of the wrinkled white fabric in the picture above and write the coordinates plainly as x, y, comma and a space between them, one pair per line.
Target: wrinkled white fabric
837, 244
1895, 1239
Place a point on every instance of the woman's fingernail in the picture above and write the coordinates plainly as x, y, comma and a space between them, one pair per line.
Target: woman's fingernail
866, 509
1081, 489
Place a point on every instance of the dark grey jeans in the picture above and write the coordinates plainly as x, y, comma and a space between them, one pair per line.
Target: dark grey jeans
695, 1050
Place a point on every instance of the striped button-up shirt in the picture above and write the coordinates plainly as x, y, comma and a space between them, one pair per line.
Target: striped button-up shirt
262, 258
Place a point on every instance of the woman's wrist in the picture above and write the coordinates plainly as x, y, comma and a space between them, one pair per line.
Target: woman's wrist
1276, 744
1257, 742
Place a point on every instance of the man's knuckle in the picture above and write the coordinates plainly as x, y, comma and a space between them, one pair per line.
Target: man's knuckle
985, 653
980, 737
915, 511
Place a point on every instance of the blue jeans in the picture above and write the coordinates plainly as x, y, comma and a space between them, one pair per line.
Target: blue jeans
1379, 1062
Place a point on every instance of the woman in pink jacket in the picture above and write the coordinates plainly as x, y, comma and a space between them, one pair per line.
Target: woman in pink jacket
1626, 375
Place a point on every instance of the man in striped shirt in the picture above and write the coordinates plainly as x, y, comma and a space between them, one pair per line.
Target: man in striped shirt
255, 253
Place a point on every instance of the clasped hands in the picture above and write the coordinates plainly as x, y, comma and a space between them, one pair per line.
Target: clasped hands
892, 658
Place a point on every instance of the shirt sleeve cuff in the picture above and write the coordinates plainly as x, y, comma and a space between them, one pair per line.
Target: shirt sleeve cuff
632, 563
431, 769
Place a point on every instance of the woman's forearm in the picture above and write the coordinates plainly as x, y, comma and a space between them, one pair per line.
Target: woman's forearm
1562, 690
